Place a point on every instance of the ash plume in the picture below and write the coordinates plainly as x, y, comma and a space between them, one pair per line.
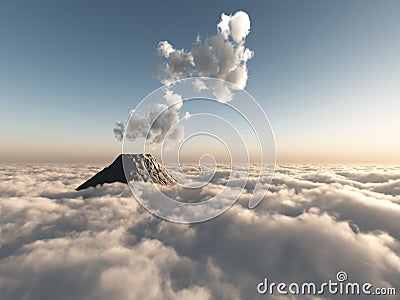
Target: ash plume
222, 56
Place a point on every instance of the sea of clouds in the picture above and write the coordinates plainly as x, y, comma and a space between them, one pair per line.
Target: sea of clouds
316, 220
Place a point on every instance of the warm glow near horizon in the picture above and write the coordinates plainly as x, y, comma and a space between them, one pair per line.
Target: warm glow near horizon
331, 92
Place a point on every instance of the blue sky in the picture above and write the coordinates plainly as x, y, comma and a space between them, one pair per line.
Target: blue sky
325, 72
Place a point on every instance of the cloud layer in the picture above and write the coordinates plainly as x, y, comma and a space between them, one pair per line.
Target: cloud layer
57, 243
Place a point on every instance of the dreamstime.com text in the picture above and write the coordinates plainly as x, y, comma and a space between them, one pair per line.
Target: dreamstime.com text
339, 287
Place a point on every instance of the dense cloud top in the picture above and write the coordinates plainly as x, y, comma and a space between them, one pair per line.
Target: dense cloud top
57, 243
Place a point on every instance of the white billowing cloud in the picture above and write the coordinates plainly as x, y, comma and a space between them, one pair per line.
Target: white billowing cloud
239, 26
165, 49
173, 99
238, 76
222, 56
199, 85
161, 122
57, 243
223, 26
162, 125
187, 116
155, 124
222, 92
138, 127
180, 63
204, 59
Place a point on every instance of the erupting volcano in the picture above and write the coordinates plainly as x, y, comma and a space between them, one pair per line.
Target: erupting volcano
138, 167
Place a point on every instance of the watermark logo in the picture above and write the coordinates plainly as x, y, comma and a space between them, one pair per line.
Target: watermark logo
332, 287
212, 122
341, 276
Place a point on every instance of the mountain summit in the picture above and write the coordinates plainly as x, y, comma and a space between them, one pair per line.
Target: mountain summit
138, 167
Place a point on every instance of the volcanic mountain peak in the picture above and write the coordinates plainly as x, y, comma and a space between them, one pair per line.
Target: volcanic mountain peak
138, 167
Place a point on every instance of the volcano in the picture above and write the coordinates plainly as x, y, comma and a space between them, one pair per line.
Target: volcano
138, 167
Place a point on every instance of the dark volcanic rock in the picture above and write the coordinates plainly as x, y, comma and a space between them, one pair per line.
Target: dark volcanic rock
138, 167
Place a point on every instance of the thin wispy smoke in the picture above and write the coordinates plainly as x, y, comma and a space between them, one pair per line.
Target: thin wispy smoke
119, 130
223, 56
